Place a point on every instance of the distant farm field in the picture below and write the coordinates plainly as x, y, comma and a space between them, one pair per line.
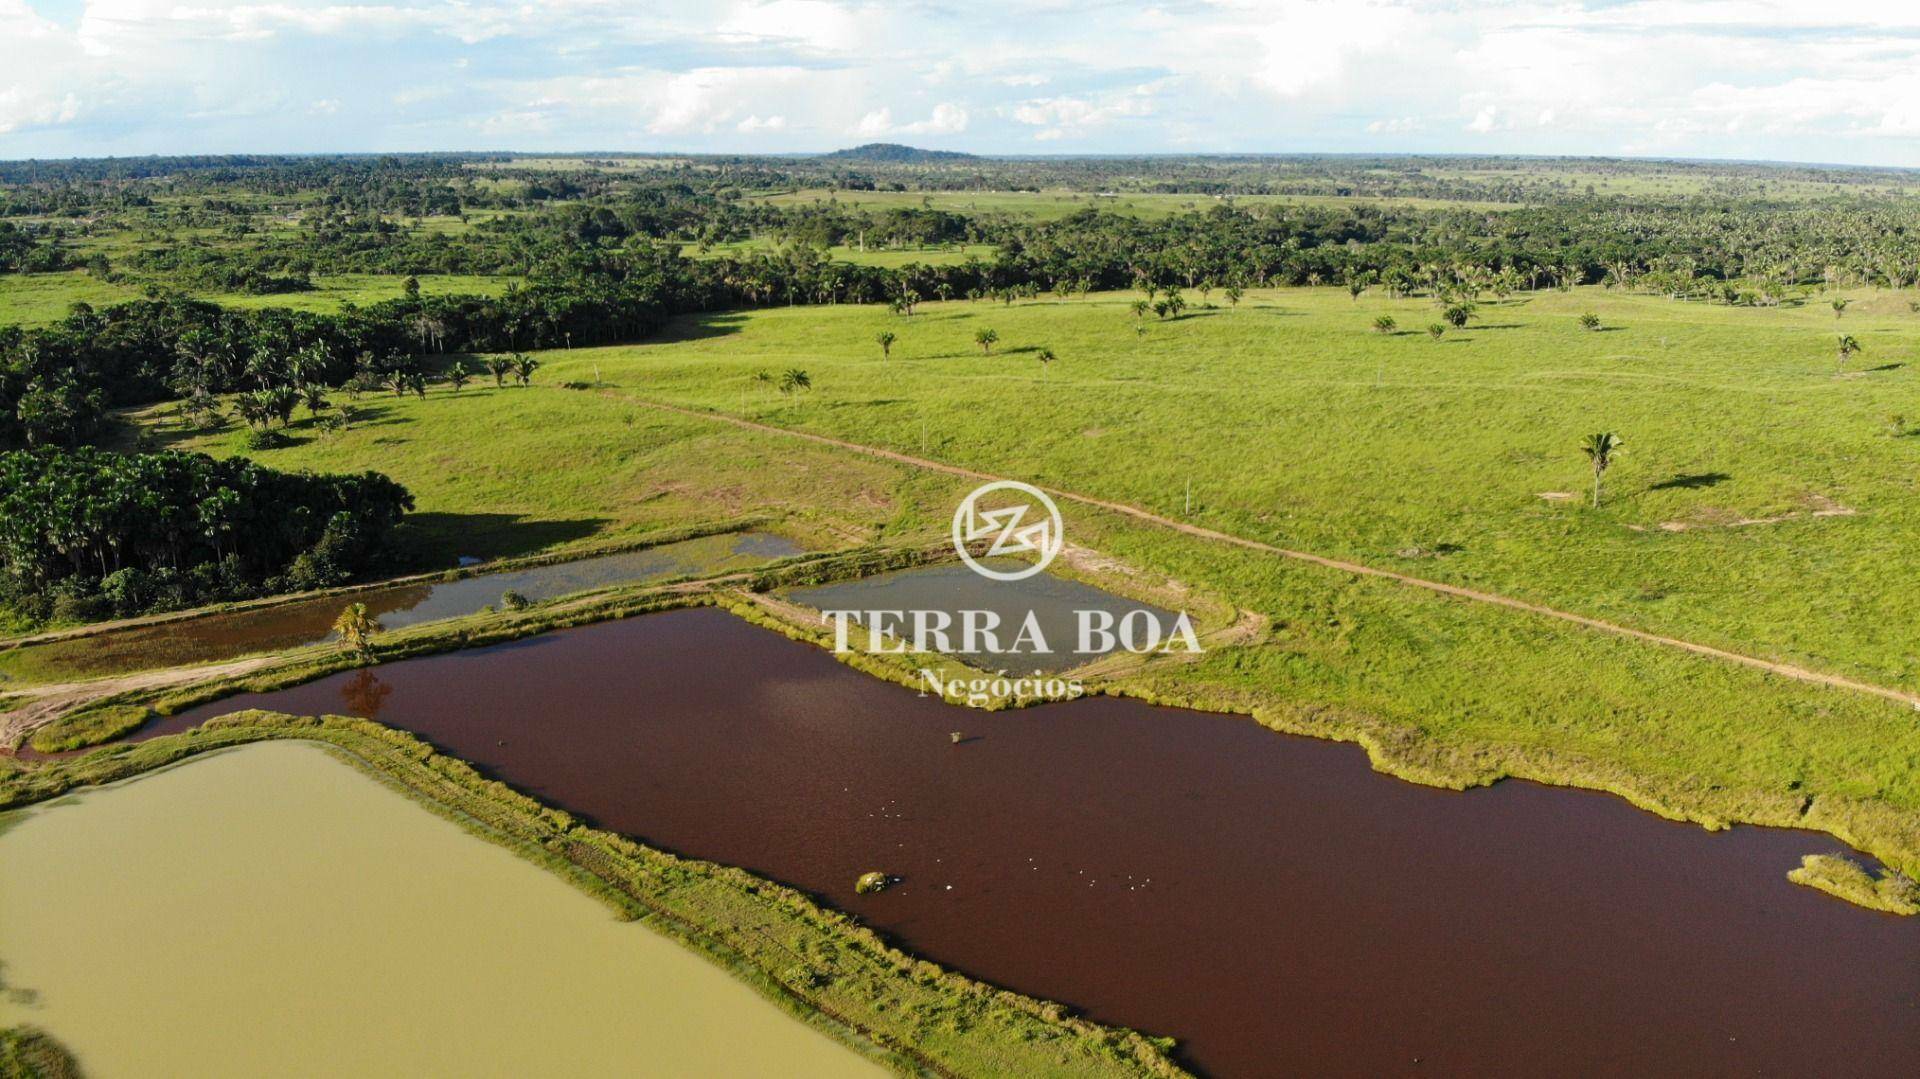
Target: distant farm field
37, 299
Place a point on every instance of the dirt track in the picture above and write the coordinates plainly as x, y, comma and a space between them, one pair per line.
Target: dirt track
1786, 670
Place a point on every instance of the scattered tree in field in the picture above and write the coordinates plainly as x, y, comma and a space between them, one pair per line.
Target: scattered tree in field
1175, 302
793, 380
1385, 324
1140, 308
985, 339
512, 601
1046, 359
1600, 449
1436, 329
1589, 321
1457, 314
523, 368
410, 287
885, 339
499, 367
314, 396
1233, 293
459, 376
1355, 287
356, 628
1839, 307
1848, 346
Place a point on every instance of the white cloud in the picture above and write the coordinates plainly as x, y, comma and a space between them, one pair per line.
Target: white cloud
1071, 117
1747, 78
946, 119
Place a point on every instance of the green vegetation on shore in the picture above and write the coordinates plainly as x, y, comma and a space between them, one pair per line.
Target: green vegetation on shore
1847, 879
26, 1053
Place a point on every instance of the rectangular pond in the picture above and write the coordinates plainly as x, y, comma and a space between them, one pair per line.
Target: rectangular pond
272, 911
291, 625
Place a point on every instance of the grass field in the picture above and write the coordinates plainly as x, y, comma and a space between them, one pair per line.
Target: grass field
1763, 500
1298, 425
37, 299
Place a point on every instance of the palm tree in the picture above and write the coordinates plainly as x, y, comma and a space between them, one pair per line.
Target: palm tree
499, 367
315, 398
1848, 346
1140, 308
1435, 329
1384, 324
885, 339
1589, 321
523, 367
1839, 307
1600, 449
1457, 315
985, 339
458, 375
356, 628
794, 380
1233, 295
1046, 359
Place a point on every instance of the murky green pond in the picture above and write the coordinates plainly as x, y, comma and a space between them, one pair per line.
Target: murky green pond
272, 911
290, 625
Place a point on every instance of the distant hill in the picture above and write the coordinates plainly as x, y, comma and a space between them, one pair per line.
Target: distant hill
894, 153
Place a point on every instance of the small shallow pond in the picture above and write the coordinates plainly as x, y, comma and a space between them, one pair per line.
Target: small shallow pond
1271, 901
1053, 602
290, 625
272, 911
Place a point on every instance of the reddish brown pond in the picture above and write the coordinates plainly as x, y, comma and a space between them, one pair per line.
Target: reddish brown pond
1270, 901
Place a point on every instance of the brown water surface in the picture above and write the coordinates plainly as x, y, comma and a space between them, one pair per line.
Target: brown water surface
1270, 901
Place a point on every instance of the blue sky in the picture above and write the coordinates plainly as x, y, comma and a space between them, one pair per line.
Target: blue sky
1767, 79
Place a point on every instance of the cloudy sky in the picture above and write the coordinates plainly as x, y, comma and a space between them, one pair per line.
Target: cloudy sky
1836, 81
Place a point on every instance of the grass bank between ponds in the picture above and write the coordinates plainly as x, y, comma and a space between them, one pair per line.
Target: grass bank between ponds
818, 964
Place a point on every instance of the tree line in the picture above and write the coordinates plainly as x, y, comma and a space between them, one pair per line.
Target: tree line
85, 533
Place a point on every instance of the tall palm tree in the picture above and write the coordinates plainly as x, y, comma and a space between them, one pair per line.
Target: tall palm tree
356, 628
1600, 449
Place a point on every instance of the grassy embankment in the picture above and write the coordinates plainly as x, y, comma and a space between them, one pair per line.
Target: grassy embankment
26, 1053
819, 965
1843, 877
1298, 425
